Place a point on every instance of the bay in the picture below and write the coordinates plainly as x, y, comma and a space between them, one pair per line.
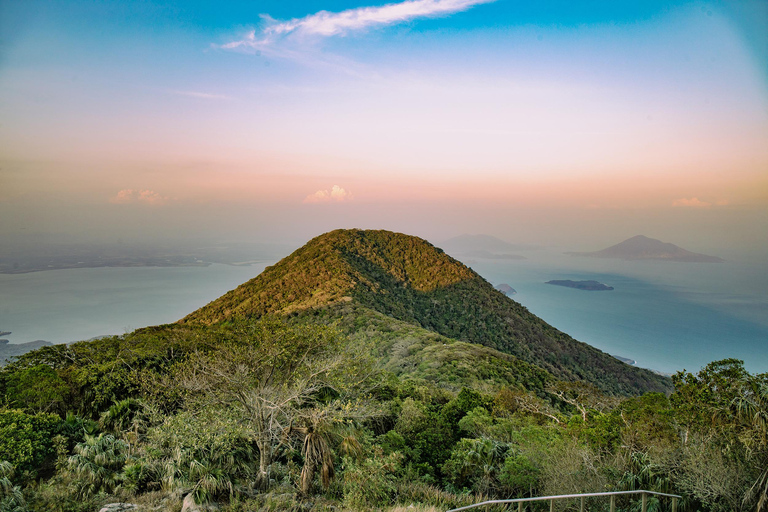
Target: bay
78, 304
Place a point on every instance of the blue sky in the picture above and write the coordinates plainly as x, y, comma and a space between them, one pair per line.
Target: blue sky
571, 107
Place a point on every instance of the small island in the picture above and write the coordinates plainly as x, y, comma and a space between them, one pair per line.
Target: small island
591, 286
506, 289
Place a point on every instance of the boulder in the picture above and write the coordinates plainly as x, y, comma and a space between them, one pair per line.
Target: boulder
189, 505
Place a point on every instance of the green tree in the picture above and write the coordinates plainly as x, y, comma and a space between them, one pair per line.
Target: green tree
268, 375
475, 464
726, 407
26, 440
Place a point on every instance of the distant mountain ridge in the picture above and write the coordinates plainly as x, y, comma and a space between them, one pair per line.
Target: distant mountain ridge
357, 273
467, 242
643, 248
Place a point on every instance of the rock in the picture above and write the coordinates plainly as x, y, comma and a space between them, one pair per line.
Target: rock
119, 507
189, 505
506, 289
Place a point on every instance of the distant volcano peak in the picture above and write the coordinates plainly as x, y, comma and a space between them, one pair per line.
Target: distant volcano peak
641, 247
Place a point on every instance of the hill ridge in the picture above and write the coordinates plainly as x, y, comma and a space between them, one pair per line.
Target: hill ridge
411, 280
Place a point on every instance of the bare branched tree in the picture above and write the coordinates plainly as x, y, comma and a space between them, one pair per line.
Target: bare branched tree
271, 376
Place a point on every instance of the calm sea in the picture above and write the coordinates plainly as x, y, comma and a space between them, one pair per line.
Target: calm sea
79, 304
666, 316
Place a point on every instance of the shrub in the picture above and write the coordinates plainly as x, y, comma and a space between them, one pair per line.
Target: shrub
371, 482
26, 441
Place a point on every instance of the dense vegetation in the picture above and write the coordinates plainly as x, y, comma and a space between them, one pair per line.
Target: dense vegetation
273, 416
363, 404
407, 278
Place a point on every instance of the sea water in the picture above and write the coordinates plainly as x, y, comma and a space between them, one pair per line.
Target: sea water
78, 304
666, 316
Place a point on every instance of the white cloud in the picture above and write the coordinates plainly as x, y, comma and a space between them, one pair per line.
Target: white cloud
326, 24
129, 196
335, 195
693, 202
125, 196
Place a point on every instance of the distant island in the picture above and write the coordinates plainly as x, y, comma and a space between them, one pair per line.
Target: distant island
493, 256
643, 248
483, 246
489, 243
591, 286
506, 289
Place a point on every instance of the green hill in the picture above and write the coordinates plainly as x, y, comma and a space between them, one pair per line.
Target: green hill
408, 279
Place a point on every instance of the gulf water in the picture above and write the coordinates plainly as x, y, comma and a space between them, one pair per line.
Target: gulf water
666, 316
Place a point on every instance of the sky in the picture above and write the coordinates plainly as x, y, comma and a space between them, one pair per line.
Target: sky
574, 124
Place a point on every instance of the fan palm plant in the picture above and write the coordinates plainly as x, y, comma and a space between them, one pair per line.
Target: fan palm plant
11, 498
751, 408
97, 465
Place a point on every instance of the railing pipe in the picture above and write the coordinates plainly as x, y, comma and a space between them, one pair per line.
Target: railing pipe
520, 501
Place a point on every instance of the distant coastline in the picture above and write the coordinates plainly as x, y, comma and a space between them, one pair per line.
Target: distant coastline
6, 269
10, 350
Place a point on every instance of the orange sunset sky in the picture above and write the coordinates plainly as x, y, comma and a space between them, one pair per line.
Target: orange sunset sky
547, 123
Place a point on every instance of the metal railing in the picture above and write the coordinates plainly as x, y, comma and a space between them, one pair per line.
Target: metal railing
582, 497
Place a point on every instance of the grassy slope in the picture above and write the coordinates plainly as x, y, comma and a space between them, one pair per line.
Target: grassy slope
410, 280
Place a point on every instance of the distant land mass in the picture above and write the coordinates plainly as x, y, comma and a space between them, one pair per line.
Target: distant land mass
643, 248
506, 289
27, 257
591, 286
492, 256
9, 350
626, 360
489, 243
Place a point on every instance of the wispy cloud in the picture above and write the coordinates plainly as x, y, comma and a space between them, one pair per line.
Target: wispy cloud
326, 24
335, 195
695, 202
202, 95
130, 196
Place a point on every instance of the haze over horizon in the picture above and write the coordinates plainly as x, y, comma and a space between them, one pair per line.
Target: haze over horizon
550, 123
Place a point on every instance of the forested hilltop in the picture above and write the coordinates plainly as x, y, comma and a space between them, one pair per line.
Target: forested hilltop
409, 279
368, 371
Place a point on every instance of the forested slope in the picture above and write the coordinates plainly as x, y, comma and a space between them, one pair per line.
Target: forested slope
411, 280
